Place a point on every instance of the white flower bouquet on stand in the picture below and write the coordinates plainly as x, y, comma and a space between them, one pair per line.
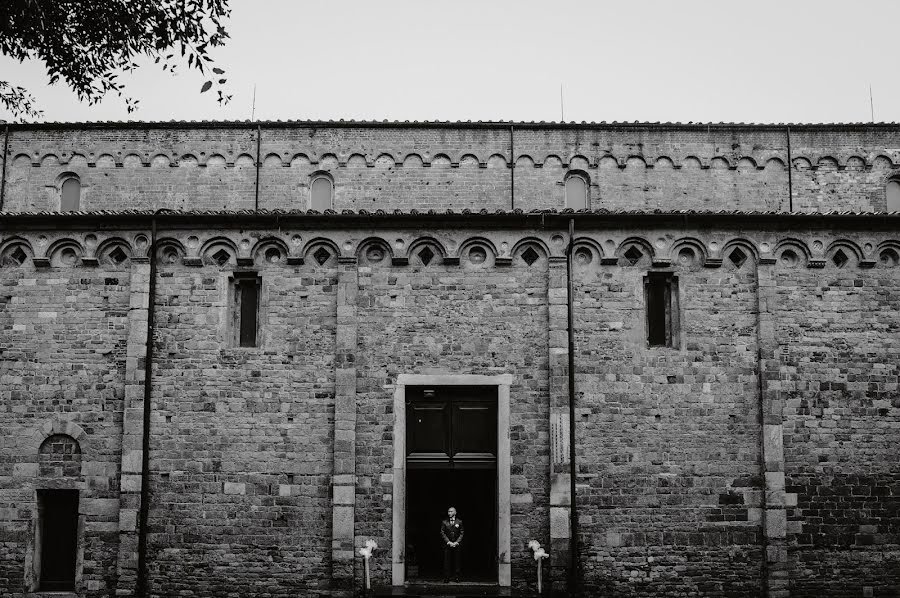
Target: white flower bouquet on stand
539, 555
366, 553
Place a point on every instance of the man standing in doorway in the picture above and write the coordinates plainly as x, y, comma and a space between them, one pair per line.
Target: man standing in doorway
452, 535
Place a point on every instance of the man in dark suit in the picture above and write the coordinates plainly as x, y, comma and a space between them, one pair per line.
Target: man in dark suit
452, 535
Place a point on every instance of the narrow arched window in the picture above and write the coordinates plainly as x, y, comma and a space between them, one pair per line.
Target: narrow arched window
576, 192
893, 195
70, 195
321, 194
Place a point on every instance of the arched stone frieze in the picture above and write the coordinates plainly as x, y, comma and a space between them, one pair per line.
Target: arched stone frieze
887, 254
114, 252
688, 253
301, 160
882, 161
635, 251
426, 251
774, 162
320, 252
843, 253
746, 163
530, 252
65, 253
740, 254
647, 159
374, 252
273, 160
221, 252
664, 162
791, 253
497, 161
578, 162
169, 251
587, 252
160, 160
15, 252
270, 251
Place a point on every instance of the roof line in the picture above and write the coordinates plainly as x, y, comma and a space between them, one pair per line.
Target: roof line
528, 125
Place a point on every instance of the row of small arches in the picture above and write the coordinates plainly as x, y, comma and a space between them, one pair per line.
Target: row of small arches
321, 191
770, 159
426, 251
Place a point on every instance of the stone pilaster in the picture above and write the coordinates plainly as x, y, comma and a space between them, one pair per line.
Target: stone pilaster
774, 514
344, 475
560, 495
132, 428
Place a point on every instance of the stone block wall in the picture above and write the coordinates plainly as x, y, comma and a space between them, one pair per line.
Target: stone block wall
837, 384
670, 491
241, 436
465, 315
63, 332
451, 165
788, 323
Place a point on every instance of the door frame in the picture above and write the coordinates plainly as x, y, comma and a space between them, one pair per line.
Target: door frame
398, 528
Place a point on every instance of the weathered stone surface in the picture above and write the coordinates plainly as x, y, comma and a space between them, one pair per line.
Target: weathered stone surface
758, 453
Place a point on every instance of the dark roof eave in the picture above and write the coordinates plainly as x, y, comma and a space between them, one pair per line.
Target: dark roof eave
385, 219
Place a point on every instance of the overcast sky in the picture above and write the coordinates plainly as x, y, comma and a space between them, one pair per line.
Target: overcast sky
685, 60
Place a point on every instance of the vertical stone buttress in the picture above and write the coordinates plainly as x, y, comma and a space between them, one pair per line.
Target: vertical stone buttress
344, 474
771, 406
560, 495
132, 427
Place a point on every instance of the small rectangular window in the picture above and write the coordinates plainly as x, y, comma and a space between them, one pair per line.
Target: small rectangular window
246, 309
58, 538
661, 301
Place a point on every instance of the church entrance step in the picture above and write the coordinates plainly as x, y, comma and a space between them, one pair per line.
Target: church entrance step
440, 590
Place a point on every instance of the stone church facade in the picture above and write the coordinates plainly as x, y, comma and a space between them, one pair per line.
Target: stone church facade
232, 353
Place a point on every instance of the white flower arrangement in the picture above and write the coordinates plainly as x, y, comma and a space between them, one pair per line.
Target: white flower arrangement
366, 552
539, 555
370, 547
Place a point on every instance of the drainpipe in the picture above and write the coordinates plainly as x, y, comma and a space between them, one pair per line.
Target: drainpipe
3, 177
573, 506
512, 169
764, 565
144, 513
256, 201
790, 167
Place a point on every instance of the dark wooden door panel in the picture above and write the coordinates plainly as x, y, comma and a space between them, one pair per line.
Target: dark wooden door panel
428, 431
451, 428
474, 431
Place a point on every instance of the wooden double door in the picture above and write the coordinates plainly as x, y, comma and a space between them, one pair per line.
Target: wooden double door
451, 460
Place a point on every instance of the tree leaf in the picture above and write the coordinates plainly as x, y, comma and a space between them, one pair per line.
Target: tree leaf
86, 44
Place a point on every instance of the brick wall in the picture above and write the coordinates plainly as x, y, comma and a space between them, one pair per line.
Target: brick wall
384, 166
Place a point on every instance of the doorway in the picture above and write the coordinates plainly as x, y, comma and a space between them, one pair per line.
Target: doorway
58, 539
451, 460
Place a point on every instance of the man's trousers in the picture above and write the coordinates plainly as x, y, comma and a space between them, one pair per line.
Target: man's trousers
452, 561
